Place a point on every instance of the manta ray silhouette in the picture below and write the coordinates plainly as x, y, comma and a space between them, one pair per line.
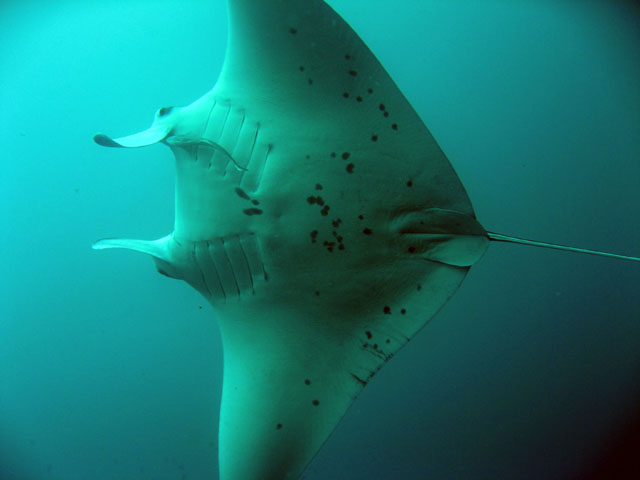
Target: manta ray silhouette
317, 215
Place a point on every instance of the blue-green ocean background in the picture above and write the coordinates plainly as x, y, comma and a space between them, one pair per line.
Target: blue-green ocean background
111, 371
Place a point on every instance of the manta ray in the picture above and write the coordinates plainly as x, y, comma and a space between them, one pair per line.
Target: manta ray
320, 219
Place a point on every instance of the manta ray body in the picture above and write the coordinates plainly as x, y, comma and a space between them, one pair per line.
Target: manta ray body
317, 215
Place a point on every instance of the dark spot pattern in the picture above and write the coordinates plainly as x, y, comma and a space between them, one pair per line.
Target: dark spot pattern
367, 231
419, 287
317, 293
374, 138
310, 81
361, 217
394, 126
315, 403
382, 107
333, 155
368, 334
370, 90
242, 194
347, 57
409, 183
358, 98
387, 310
387, 341
314, 236
252, 211
164, 111
353, 73
346, 155
301, 67
411, 250
345, 94
318, 186
329, 245
293, 31
279, 426
386, 114
350, 168
403, 311
336, 223
307, 382
325, 211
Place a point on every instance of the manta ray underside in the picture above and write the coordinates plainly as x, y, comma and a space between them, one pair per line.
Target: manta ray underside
319, 217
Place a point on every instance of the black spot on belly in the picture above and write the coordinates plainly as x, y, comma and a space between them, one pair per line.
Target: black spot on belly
403, 311
311, 200
409, 183
325, 211
315, 403
333, 155
293, 31
381, 107
347, 57
387, 310
370, 90
318, 186
255, 202
310, 81
358, 98
367, 231
241, 193
345, 155
252, 211
394, 126
345, 94
307, 382
411, 249
368, 334
386, 114
374, 138
353, 73
279, 426
314, 236
361, 217
350, 168
301, 67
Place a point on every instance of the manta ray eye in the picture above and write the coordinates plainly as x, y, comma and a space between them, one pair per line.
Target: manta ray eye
164, 111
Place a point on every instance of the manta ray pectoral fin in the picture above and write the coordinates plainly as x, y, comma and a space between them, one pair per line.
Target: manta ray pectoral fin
158, 249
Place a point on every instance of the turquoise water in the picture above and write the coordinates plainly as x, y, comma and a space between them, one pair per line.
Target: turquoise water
111, 371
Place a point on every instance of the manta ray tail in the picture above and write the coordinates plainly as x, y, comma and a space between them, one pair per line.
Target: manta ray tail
497, 237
